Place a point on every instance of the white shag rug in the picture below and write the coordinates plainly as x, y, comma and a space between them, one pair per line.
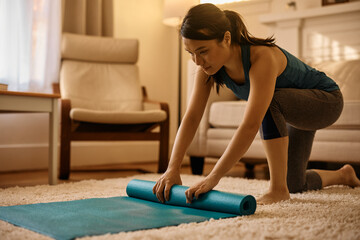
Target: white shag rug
331, 213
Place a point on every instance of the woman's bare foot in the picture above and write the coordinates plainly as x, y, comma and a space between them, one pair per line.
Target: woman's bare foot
273, 197
349, 177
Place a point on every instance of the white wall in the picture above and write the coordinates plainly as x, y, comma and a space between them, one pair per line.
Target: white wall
142, 19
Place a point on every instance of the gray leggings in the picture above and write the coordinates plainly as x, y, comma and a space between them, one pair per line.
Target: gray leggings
298, 113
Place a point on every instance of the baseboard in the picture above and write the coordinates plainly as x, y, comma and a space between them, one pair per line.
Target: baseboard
17, 157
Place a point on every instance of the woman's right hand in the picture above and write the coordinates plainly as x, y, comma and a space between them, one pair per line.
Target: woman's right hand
164, 184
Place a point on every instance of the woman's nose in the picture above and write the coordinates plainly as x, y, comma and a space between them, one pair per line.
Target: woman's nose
198, 60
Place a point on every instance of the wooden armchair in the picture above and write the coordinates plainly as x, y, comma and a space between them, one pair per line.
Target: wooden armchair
102, 100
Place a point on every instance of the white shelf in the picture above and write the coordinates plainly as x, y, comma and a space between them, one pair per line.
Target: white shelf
310, 13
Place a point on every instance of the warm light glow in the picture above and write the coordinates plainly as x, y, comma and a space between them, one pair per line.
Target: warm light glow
175, 10
220, 1
324, 48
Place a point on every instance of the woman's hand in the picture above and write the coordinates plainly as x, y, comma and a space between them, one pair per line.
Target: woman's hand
201, 187
164, 184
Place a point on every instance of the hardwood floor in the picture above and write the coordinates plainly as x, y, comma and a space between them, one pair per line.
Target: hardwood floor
36, 177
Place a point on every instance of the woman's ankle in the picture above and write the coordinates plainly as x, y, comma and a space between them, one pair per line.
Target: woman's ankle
278, 188
273, 196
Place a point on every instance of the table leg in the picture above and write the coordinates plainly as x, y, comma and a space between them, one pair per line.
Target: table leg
53, 142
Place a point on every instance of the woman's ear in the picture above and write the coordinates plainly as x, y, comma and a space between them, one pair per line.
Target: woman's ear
227, 38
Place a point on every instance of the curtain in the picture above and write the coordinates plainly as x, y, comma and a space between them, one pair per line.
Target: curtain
88, 17
29, 43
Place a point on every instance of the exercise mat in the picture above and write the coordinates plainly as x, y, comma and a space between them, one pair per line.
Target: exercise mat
140, 210
212, 201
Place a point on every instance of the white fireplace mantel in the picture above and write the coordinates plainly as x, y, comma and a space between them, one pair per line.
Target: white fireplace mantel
311, 13
318, 34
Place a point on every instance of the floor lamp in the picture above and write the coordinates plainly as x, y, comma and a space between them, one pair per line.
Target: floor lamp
174, 11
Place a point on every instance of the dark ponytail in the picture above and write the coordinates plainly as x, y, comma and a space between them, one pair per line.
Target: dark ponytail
239, 33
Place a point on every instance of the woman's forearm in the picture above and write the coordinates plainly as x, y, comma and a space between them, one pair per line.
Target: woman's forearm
183, 139
191, 119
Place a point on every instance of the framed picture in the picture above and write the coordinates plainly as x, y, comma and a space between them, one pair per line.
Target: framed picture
330, 2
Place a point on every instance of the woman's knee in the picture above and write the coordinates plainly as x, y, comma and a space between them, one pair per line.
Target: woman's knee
298, 184
295, 185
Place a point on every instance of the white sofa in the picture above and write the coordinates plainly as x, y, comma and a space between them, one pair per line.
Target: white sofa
339, 143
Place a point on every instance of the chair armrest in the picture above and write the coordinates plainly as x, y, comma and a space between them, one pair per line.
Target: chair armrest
65, 109
150, 104
198, 146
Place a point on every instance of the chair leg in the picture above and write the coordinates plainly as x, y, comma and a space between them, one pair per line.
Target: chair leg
249, 166
197, 165
65, 141
64, 159
164, 147
249, 173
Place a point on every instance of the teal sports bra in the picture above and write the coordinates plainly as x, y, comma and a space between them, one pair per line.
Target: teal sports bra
297, 74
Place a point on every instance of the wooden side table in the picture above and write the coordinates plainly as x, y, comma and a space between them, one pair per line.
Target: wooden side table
30, 102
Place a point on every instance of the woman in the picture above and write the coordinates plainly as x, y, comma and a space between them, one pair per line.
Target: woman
286, 99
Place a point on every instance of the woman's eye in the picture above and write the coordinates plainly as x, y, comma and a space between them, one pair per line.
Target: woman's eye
204, 52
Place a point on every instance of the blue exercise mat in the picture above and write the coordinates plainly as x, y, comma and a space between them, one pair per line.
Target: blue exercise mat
140, 210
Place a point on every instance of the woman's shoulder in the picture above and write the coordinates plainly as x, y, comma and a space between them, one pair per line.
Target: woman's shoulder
260, 53
268, 56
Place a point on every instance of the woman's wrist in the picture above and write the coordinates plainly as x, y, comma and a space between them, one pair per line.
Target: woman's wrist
173, 169
174, 165
215, 176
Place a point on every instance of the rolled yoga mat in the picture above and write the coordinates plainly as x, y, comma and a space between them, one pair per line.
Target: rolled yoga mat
141, 210
216, 201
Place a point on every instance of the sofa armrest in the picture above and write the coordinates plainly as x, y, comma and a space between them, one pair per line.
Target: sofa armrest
198, 146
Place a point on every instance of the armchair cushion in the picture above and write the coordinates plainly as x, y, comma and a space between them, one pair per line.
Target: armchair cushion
99, 49
84, 84
111, 117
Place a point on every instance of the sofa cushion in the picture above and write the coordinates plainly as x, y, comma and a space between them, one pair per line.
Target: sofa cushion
229, 114
226, 114
223, 133
346, 74
337, 135
350, 115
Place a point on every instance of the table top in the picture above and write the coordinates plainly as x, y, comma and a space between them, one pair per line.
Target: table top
30, 94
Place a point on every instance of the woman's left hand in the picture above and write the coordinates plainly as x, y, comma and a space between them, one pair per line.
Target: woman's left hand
201, 187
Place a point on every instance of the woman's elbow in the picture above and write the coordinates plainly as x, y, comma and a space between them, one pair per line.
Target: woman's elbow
251, 128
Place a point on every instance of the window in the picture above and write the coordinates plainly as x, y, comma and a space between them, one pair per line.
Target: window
29, 43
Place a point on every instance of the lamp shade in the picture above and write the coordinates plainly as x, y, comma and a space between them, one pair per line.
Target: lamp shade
175, 10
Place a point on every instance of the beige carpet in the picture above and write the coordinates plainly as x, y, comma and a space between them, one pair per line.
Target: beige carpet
332, 213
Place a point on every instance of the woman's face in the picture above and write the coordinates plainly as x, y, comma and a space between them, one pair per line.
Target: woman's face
210, 55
